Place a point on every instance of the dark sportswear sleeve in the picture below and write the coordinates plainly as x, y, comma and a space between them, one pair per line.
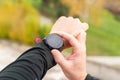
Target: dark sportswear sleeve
89, 77
31, 65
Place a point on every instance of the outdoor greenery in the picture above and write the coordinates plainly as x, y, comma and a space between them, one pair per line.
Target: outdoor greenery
20, 21
53, 8
104, 39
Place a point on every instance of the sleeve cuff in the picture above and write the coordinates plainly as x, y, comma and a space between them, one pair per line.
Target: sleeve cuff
89, 77
47, 53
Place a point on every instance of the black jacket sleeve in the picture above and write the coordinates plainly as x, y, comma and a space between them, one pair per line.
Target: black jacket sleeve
89, 77
31, 65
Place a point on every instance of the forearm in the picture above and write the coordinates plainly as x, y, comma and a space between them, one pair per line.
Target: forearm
31, 65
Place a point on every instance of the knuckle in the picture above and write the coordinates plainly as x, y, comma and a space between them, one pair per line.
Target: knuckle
62, 17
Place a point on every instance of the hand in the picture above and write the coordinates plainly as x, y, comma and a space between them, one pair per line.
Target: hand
74, 67
69, 25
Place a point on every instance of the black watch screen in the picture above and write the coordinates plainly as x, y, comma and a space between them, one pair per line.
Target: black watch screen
54, 41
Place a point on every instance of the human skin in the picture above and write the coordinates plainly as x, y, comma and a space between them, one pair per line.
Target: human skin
69, 25
74, 35
74, 67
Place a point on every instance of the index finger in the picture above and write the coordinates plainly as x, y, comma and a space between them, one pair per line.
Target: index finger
71, 39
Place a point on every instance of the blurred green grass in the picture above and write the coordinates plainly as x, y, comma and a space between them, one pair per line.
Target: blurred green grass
105, 39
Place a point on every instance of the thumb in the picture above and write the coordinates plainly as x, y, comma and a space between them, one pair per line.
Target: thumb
85, 26
59, 58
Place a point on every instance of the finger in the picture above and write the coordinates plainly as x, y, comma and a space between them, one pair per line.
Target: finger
70, 17
59, 57
71, 39
76, 33
84, 26
82, 37
77, 20
62, 17
70, 20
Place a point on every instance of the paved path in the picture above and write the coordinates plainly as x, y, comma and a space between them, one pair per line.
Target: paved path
108, 61
9, 51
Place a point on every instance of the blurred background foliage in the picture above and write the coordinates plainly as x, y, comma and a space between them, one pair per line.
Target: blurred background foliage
20, 20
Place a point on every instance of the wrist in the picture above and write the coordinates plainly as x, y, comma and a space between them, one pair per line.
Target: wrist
78, 77
83, 77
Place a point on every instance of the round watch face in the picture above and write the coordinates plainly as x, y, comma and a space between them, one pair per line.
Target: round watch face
54, 41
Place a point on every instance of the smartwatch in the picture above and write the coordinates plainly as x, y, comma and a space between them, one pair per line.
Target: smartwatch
54, 41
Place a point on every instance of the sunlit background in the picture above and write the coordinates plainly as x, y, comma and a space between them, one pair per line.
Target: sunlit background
21, 21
